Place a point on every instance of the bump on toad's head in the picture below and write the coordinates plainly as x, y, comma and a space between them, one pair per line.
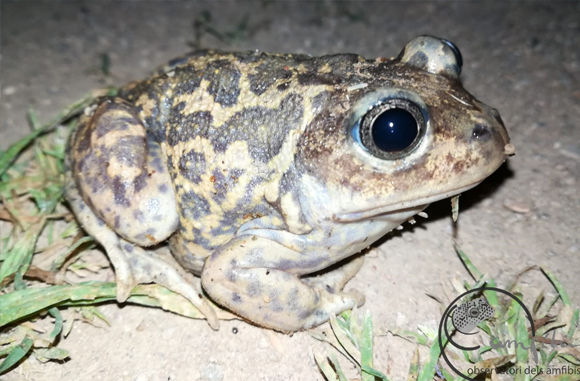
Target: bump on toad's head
406, 135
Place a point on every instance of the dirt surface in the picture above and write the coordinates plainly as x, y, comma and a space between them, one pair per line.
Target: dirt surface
521, 58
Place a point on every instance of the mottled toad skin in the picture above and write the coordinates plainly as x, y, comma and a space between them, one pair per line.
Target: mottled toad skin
248, 164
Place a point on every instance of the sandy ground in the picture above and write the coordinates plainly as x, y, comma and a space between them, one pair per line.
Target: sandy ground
521, 58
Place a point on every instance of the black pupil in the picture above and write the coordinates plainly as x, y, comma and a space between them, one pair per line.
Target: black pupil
394, 130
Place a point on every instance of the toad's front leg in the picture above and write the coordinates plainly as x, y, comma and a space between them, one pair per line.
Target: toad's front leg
258, 279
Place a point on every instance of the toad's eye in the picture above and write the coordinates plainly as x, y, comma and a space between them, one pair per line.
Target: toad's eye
456, 53
392, 129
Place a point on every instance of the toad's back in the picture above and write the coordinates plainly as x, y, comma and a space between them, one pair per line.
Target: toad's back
229, 124
213, 91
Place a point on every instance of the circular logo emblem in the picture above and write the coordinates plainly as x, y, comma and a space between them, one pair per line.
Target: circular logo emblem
464, 314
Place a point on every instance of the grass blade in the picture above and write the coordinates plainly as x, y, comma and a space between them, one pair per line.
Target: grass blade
414, 367
325, 367
434, 353
477, 275
54, 312
19, 304
92, 312
573, 324
12, 153
566, 314
405, 334
366, 347
16, 354
563, 294
337, 368
374, 373
539, 300
343, 339
522, 342
571, 359
19, 258
327, 336
54, 353
57, 264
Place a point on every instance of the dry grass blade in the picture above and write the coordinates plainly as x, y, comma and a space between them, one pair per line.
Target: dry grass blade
337, 368
351, 349
414, 367
326, 335
325, 367
494, 362
455, 207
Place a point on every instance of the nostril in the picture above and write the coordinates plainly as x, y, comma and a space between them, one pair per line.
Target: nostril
481, 132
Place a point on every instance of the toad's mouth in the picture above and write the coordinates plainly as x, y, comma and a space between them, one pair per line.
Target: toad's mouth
405, 206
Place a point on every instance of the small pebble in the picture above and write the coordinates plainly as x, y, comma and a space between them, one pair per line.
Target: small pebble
358, 86
401, 320
212, 372
9, 90
372, 253
168, 333
263, 343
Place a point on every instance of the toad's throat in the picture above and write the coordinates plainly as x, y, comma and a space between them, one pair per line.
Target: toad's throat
412, 206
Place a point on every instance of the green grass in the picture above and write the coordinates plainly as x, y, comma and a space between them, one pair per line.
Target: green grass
508, 324
31, 191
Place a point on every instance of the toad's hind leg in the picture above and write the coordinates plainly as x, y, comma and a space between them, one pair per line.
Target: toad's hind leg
126, 190
259, 279
121, 174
